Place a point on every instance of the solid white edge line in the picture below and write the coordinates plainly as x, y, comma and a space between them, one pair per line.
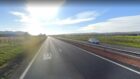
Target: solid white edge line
30, 64
118, 64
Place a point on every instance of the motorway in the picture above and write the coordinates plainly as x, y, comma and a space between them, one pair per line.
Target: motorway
59, 60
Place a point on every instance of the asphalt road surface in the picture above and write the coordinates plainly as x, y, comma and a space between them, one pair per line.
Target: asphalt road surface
59, 60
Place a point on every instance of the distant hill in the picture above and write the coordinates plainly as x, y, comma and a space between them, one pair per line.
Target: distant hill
12, 33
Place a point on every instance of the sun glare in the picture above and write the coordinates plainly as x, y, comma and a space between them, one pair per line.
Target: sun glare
39, 17
43, 12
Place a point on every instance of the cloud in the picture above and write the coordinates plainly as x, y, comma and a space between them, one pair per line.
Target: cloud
17, 13
119, 24
69, 21
78, 18
36, 16
23, 16
87, 14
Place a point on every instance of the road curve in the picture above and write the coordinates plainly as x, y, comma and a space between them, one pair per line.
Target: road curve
59, 60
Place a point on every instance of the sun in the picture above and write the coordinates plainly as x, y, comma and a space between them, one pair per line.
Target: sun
38, 16
43, 12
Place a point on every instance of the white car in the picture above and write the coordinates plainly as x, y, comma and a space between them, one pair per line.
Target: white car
94, 40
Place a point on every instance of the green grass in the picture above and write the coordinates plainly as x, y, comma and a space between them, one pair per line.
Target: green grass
8, 52
130, 41
11, 48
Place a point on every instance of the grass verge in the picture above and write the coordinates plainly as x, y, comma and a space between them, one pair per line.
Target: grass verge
14, 51
129, 41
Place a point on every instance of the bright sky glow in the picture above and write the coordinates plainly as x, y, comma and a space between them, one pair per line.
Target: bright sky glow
36, 17
59, 18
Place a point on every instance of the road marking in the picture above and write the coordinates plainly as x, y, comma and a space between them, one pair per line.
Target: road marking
130, 69
60, 50
123, 66
30, 64
118, 64
47, 56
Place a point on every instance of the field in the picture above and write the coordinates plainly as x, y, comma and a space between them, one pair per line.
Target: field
130, 41
11, 47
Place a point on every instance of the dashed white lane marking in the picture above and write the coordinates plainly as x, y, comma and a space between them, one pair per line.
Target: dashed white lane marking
118, 64
60, 50
47, 56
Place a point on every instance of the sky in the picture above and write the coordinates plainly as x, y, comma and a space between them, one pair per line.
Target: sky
64, 16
